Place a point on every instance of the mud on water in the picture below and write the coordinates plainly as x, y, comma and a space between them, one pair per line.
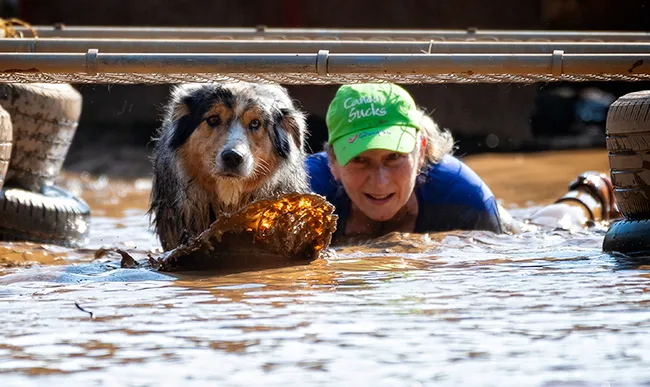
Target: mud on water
541, 308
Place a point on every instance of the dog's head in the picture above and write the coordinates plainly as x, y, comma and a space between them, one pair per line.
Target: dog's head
238, 132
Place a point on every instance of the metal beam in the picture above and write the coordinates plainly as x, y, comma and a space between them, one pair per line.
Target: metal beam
308, 46
261, 32
557, 63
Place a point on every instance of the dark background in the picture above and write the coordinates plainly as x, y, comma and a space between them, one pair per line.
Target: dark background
118, 121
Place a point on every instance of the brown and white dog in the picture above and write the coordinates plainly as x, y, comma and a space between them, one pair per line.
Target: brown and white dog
220, 147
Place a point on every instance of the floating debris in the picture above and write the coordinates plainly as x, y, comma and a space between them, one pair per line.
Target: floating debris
92, 316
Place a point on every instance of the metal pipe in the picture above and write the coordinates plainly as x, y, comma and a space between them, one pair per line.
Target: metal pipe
155, 63
42, 63
302, 46
262, 32
321, 64
206, 63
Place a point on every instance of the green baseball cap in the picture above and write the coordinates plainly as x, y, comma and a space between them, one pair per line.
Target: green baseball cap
371, 116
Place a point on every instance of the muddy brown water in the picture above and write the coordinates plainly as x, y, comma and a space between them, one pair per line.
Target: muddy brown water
545, 307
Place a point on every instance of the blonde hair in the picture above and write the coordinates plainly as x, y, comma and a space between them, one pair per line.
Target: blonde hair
440, 142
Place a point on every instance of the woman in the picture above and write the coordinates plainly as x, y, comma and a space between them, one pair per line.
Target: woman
388, 167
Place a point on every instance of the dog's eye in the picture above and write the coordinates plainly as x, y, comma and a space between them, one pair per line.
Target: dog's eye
254, 125
213, 120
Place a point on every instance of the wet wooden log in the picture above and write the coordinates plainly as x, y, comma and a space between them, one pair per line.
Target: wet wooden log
292, 229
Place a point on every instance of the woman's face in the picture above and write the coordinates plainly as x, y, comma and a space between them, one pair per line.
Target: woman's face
380, 182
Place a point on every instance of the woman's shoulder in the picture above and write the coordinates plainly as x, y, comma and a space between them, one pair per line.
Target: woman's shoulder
453, 196
451, 180
317, 164
451, 167
320, 176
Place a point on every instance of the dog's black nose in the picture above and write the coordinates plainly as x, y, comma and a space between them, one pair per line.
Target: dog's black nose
231, 158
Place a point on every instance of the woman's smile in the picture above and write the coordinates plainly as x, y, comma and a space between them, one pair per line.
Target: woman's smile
379, 199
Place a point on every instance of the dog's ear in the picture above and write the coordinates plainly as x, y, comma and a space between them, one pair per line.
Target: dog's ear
185, 111
183, 120
289, 126
280, 140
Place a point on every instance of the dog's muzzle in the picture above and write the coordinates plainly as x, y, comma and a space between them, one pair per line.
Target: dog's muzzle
235, 163
232, 159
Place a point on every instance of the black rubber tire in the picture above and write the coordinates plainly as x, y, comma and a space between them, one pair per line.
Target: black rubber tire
52, 216
45, 118
6, 139
629, 237
628, 143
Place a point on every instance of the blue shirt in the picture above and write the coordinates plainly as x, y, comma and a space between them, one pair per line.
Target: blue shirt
451, 196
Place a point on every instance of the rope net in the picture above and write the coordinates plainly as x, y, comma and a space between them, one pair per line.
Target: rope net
304, 79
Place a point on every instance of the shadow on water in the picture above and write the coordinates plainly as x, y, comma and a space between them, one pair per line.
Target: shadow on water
625, 262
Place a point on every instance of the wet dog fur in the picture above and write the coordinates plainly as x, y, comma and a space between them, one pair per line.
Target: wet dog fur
220, 147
